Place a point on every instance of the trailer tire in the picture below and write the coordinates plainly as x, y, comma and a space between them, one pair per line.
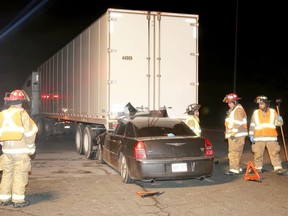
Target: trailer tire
88, 147
79, 139
48, 127
40, 126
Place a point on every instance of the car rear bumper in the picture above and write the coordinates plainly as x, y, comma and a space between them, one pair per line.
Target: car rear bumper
162, 169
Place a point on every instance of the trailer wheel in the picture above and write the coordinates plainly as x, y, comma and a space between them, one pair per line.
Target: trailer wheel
48, 127
79, 139
88, 147
40, 126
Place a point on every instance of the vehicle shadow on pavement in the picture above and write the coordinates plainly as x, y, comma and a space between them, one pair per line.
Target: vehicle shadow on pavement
40, 197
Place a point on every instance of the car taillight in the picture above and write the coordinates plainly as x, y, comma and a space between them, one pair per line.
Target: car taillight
208, 148
139, 150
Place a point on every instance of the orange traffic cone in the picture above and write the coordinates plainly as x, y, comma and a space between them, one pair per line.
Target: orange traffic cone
254, 176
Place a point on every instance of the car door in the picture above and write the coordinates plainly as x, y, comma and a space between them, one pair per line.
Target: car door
116, 142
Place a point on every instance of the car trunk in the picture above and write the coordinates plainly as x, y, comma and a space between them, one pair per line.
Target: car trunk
174, 147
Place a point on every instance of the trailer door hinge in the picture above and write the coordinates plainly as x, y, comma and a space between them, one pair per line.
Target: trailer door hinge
112, 19
194, 83
112, 81
194, 54
112, 50
194, 24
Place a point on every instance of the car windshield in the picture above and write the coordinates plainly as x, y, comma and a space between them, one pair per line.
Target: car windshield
176, 130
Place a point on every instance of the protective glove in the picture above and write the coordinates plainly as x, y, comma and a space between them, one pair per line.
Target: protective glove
252, 139
280, 118
32, 149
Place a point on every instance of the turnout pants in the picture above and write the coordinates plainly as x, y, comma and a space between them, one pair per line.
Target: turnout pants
235, 150
258, 149
16, 168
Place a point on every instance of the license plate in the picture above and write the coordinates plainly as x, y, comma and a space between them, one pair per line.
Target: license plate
179, 167
67, 127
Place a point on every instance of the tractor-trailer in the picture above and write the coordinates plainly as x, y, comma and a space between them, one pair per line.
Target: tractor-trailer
147, 58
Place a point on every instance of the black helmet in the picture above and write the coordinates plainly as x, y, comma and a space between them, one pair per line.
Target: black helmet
192, 108
261, 98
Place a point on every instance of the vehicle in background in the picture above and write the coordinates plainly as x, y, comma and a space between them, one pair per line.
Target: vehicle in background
144, 57
150, 147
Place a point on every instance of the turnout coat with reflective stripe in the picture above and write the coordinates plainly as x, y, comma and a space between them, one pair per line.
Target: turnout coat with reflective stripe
193, 123
263, 125
17, 131
236, 122
11, 125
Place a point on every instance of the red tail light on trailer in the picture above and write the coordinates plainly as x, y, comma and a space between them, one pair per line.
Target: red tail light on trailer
208, 148
139, 150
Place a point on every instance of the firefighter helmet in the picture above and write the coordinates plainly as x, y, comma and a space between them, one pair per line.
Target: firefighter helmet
261, 98
15, 96
192, 108
231, 98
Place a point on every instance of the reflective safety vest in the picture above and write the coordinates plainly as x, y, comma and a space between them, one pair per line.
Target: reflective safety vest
263, 126
193, 123
236, 122
11, 127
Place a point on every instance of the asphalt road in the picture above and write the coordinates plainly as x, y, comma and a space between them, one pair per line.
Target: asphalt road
65, 183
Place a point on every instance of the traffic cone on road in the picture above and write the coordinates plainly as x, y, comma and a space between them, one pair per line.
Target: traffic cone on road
253, 175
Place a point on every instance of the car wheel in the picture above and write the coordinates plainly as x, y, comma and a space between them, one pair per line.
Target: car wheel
124, 170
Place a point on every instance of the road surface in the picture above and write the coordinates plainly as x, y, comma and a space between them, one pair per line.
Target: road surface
63, 183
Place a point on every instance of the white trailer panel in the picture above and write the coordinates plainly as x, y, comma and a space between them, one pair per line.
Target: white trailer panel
129, 72
147, 58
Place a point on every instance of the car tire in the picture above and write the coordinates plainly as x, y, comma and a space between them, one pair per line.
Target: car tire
124, 170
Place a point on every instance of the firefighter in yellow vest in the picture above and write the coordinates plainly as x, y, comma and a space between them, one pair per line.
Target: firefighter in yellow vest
17, 136
263, 134
235, 132
193, 118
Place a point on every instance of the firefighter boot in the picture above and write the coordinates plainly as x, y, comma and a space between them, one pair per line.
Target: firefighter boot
5, 203
21, 205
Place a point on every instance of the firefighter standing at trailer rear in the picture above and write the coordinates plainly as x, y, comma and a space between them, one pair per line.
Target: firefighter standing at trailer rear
17, 136
235, 132
263, 133
193, 118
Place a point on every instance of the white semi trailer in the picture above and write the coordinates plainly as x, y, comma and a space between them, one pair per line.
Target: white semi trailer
147, 58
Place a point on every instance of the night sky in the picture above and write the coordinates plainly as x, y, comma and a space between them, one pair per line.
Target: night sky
32, 31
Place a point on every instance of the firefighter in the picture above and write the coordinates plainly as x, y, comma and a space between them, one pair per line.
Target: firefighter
263, 134
193, 118
17, 136
235, 132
